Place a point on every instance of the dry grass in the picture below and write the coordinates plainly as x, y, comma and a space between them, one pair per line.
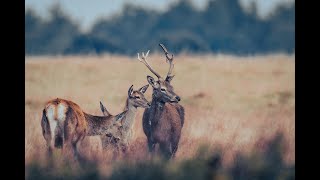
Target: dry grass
229, 101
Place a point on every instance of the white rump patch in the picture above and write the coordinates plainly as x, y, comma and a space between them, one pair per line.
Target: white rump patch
52, 122
50, 112
61, 116
55, 114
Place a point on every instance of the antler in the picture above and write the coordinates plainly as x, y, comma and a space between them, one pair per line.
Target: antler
143, 59
168, 59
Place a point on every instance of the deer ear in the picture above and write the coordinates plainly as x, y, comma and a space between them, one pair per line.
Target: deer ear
104, 110
169, 78
152, 82
144, 88
120, 116
130, 91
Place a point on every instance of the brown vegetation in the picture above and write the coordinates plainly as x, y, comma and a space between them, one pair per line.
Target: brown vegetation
230, 102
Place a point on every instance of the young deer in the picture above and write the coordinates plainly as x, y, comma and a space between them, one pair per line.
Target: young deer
119, 137
163, 121
64, 125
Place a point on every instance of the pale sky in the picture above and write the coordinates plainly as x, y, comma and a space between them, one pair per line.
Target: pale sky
87, 11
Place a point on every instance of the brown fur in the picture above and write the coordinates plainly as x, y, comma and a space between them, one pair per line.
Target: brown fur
163, 121
72, 126
119, 137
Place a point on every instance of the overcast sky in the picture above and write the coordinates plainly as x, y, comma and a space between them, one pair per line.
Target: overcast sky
87, 11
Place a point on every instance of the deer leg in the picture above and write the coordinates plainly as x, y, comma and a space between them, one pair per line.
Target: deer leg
50, 159
68, 152
49, 149
174, 150
46, 132
75, 151
116, 151
49, 146
70, 155
166, 150
124, 149
76, 146
151, 145
50, 154
174, 145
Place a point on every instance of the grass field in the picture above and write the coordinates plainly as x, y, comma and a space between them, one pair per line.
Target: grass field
235, 103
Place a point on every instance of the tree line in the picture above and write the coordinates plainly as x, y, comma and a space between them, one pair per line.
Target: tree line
222, 27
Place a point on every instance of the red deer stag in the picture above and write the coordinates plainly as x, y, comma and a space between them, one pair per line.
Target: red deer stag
64, 125
163, 121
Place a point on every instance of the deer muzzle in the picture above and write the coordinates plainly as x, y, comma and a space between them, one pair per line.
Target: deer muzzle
175, 99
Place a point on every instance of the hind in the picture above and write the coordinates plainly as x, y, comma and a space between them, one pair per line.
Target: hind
53, 119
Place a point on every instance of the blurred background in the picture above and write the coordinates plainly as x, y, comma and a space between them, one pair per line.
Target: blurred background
234, 71
238, 27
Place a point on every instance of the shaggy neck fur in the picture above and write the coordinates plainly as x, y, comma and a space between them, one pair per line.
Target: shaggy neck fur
127, 122
156, 108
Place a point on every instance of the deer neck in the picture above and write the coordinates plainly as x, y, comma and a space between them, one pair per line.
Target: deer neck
156, 102
98, 125
128, 120
156, 109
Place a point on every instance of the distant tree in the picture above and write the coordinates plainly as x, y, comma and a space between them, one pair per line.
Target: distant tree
51, 37
223, 26
33, 26
282, 30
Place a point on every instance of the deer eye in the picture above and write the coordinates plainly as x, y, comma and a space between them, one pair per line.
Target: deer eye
162, 89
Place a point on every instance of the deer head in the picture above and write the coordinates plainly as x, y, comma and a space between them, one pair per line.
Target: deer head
136, 97
162, 89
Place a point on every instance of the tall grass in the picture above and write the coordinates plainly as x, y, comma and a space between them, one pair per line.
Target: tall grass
236, 104
266, 163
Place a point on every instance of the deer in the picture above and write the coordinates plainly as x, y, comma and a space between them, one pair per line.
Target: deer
163, 121
119, 137
65, 125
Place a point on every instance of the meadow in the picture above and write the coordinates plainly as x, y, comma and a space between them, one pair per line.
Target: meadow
236, 104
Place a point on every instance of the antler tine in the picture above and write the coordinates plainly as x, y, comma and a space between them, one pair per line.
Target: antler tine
168, 60
143, 59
